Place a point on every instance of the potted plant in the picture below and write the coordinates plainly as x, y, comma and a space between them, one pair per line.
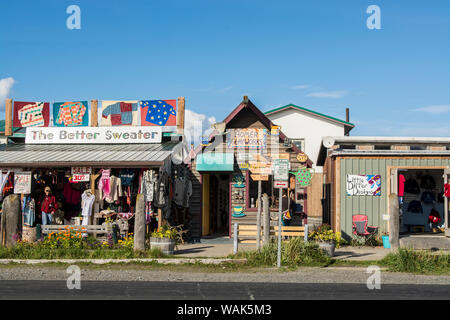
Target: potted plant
327, 239
164, 238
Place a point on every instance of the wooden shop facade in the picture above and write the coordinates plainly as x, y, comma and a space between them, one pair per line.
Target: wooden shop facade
240, 152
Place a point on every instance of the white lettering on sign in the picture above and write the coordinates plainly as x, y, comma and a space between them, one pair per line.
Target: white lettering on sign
91, 135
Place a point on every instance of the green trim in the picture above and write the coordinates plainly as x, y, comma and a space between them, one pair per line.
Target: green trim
307, 110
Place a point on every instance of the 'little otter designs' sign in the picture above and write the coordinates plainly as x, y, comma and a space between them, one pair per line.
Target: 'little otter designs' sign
363, 185
93, 135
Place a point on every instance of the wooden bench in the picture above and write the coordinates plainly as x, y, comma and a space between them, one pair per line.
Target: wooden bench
246, 233
90, 229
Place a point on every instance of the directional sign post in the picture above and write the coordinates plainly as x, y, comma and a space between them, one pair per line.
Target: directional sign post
281, 177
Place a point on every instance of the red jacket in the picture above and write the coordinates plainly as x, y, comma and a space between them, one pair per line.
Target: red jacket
49, 204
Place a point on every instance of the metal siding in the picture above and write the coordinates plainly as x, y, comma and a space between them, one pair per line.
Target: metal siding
373, 206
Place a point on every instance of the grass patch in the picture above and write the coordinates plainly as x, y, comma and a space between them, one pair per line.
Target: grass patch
294, 253
37, 252
419, 262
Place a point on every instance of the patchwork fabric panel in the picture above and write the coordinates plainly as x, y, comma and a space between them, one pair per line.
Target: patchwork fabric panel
70, 114
158, 112
31, 114
120, 113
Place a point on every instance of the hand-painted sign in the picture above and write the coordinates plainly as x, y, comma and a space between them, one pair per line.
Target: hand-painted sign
259, 177
80, 177
303, 176
81, 170
363, 185
22, 182
301, 157
31, 114
92, 135
70, 114
247, 138
280, 184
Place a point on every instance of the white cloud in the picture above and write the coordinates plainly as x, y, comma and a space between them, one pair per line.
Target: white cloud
434, 109
196, 125
5, 87
328, 94
300, 87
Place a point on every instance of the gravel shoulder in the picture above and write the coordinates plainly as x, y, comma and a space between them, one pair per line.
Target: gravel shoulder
203, 274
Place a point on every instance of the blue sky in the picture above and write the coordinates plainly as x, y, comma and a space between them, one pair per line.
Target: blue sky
315, 54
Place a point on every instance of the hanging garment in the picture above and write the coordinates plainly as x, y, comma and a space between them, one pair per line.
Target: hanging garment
411, 186
179, 191
87, 202
104, 184
447, 190
148, 185
427, 182
3, 181
71, 196
415, 207
188, 193
28, 209
401, 185
125, 215
427, 197
434, 216
127, 177
162, 188
115, 190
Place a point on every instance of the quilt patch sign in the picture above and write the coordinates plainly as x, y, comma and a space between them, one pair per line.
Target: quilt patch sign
120, 113
363, 185
31, 114
158, 112
70, 114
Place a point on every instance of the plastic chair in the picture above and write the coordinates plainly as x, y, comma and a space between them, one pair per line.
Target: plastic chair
361, 228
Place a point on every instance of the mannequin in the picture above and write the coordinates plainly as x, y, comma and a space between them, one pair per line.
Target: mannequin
87, 201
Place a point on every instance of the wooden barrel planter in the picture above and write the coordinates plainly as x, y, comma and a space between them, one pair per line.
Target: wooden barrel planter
166, 245
328, 248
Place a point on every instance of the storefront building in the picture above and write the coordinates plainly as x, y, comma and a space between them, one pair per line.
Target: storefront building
239, 153
97, 172
362, 172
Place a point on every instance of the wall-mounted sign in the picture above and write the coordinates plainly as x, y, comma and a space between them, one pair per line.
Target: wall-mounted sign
259, 177
275, 131
238, 181
81, 170
303, 176
247, 138
363, 185
22, 182
301, 157
92, 135
280, 156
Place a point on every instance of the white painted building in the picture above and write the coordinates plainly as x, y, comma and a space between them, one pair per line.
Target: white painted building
306, 128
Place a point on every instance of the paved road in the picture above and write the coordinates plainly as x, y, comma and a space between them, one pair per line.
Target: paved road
163, 290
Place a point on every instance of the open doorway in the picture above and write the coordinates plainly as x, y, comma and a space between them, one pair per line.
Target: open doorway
422, 201
219, 194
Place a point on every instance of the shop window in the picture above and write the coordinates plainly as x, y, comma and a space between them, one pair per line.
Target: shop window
382, 147
299, 143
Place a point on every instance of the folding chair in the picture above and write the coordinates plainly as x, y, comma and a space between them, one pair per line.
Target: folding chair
360, 227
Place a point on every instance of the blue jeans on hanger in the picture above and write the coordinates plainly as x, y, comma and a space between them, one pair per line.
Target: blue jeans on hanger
46, 218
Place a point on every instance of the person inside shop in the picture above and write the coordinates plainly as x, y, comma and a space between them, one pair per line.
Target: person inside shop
48, 206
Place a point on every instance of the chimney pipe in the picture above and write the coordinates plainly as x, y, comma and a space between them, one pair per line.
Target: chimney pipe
347, 114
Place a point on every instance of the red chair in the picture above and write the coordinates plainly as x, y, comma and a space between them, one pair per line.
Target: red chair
361, 228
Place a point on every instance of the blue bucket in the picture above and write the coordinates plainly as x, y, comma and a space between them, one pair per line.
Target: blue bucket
386, 242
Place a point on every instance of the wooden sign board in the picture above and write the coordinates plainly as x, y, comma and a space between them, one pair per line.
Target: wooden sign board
81, 177
22, 182
261, 170
259, 177
280, 156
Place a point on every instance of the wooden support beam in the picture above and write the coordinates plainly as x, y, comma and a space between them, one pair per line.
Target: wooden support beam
94, 113
8, 117
180, 115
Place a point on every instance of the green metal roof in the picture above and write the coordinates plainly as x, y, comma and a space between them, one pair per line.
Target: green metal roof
310, 111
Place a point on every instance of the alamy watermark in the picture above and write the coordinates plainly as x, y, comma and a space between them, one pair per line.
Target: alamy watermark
374, 280
74, 20
74, 280
374, 20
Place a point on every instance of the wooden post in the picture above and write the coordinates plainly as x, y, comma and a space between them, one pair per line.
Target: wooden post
266, 218
394, 221
258, 218
94, 113
180, 115
139, 224
159, 218
8, 118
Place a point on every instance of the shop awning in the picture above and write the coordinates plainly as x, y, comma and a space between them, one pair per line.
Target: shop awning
215, 161
95, 155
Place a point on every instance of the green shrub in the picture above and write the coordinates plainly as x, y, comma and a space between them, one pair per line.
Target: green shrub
408, 260
294, 253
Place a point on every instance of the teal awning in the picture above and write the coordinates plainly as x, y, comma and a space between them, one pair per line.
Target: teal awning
215, 161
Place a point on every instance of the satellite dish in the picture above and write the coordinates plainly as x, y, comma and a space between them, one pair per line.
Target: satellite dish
328, 142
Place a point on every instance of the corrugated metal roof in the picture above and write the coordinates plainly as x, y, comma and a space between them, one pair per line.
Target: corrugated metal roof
13, 155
